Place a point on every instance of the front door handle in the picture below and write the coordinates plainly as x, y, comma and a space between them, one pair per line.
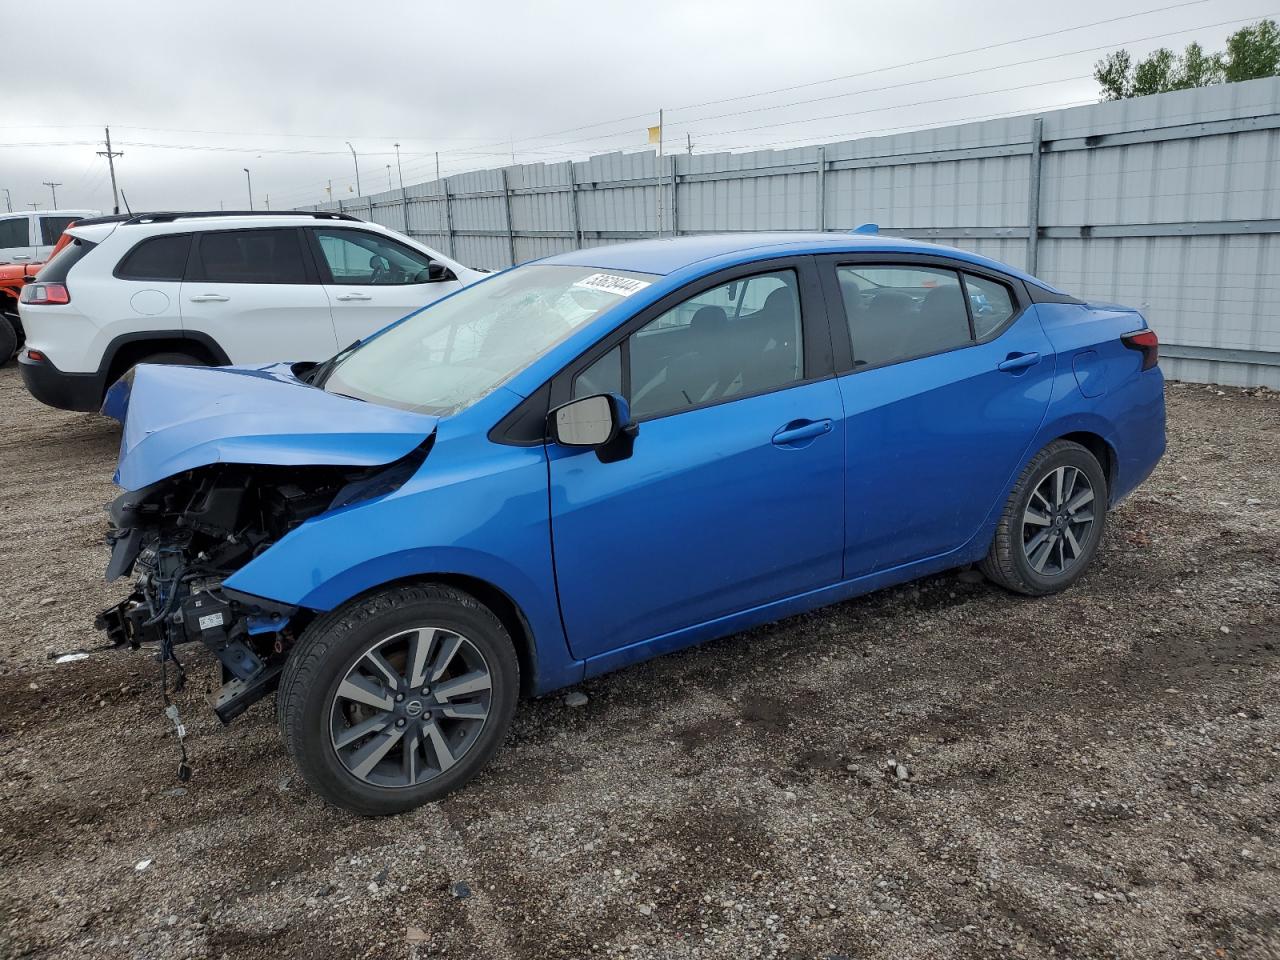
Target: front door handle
354, 296
798, 430
1018, 361
209, 298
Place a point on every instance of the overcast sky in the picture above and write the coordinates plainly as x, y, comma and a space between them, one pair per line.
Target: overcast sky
195, 93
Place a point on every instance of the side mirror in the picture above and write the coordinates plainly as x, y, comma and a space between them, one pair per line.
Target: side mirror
591, 421
438, 271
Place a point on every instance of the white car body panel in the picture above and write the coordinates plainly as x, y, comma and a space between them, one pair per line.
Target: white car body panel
249, 322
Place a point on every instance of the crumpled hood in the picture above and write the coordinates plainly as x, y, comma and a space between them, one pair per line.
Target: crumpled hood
178, 418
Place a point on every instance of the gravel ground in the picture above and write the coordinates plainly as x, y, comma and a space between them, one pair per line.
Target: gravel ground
939, 770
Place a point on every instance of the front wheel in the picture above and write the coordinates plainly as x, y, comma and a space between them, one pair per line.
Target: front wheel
398, 698
1052, 522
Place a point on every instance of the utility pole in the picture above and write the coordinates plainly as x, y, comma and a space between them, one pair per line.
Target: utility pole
399, 171
356, 162
268, 201
249, 179
34, 206
53, 188
8, 201
688, 139
389, 187
437, 164
111, 156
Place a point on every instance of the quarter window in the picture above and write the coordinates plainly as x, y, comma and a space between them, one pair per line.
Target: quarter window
13, 232
356, 258
251, 256
159, 258
734, 340
989, 302
896, 313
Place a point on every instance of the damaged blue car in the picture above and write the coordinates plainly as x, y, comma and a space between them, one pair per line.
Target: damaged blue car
604, 456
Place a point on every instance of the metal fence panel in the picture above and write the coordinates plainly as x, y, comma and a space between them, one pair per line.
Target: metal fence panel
1169, 203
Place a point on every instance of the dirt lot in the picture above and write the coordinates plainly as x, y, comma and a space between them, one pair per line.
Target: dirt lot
1090, 775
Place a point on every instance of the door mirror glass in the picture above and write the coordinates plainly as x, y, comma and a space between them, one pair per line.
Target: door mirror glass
590, 421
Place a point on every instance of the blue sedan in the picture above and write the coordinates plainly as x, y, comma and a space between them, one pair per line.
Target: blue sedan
603, 456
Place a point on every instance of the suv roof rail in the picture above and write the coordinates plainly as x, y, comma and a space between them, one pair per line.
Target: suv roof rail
189, 214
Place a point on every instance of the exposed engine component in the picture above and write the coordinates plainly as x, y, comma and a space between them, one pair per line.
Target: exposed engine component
186, 534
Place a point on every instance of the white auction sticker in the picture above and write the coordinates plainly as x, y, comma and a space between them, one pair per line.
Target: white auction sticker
611, 283
210, 621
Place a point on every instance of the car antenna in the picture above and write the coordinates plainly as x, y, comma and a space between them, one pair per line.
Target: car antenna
126, 203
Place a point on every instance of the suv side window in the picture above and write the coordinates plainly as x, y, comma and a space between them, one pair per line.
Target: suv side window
51, 229
899, 312
357, 258
734, 340
14, 232
156, 258
251, 256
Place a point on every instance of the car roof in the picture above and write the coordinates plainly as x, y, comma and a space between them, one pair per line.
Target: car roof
667, 255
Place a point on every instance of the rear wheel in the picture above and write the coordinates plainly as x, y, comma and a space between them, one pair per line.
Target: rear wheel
398, 698
1052, 522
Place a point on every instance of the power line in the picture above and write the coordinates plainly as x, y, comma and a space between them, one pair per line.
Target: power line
897, 66
924, 80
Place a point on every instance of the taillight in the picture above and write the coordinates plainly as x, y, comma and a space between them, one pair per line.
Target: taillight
1148, 343
45, 293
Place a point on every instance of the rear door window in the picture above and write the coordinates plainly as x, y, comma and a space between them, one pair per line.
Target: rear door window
14, 232
251, 256
51, 228
158, 258
898, 312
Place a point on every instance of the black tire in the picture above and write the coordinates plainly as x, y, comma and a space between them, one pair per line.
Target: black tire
8, 339
1009, 561
312, 714
174, 359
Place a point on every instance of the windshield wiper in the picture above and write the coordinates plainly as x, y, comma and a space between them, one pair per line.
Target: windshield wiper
320, 374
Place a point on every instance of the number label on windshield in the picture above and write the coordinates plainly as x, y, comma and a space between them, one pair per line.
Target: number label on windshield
609, 283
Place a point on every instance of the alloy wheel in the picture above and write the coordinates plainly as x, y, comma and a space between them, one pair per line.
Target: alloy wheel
410, 707
1058, 521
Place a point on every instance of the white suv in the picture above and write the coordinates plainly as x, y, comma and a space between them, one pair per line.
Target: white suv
214, 289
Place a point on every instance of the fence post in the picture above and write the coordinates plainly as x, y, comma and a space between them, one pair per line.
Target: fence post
1033, 195
822, 188
506, 197
404, 209
448, 217
675, 231
573, 201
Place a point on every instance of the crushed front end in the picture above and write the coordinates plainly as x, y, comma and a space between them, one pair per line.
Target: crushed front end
183, 536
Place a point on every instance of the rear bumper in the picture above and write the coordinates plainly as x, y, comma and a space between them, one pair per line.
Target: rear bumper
67, 391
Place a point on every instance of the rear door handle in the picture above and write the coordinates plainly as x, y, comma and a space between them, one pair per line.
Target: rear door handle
1018, 361
354, 296
209, 298
799, 430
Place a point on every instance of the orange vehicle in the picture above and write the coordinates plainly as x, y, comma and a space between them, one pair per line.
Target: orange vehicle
12, 278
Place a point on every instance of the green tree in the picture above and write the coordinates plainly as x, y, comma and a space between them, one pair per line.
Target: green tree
1251, 52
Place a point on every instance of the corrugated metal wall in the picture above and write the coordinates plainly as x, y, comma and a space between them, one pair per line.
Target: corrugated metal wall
1167, 202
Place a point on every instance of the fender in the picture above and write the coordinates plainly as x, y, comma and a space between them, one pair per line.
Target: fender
476, 503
